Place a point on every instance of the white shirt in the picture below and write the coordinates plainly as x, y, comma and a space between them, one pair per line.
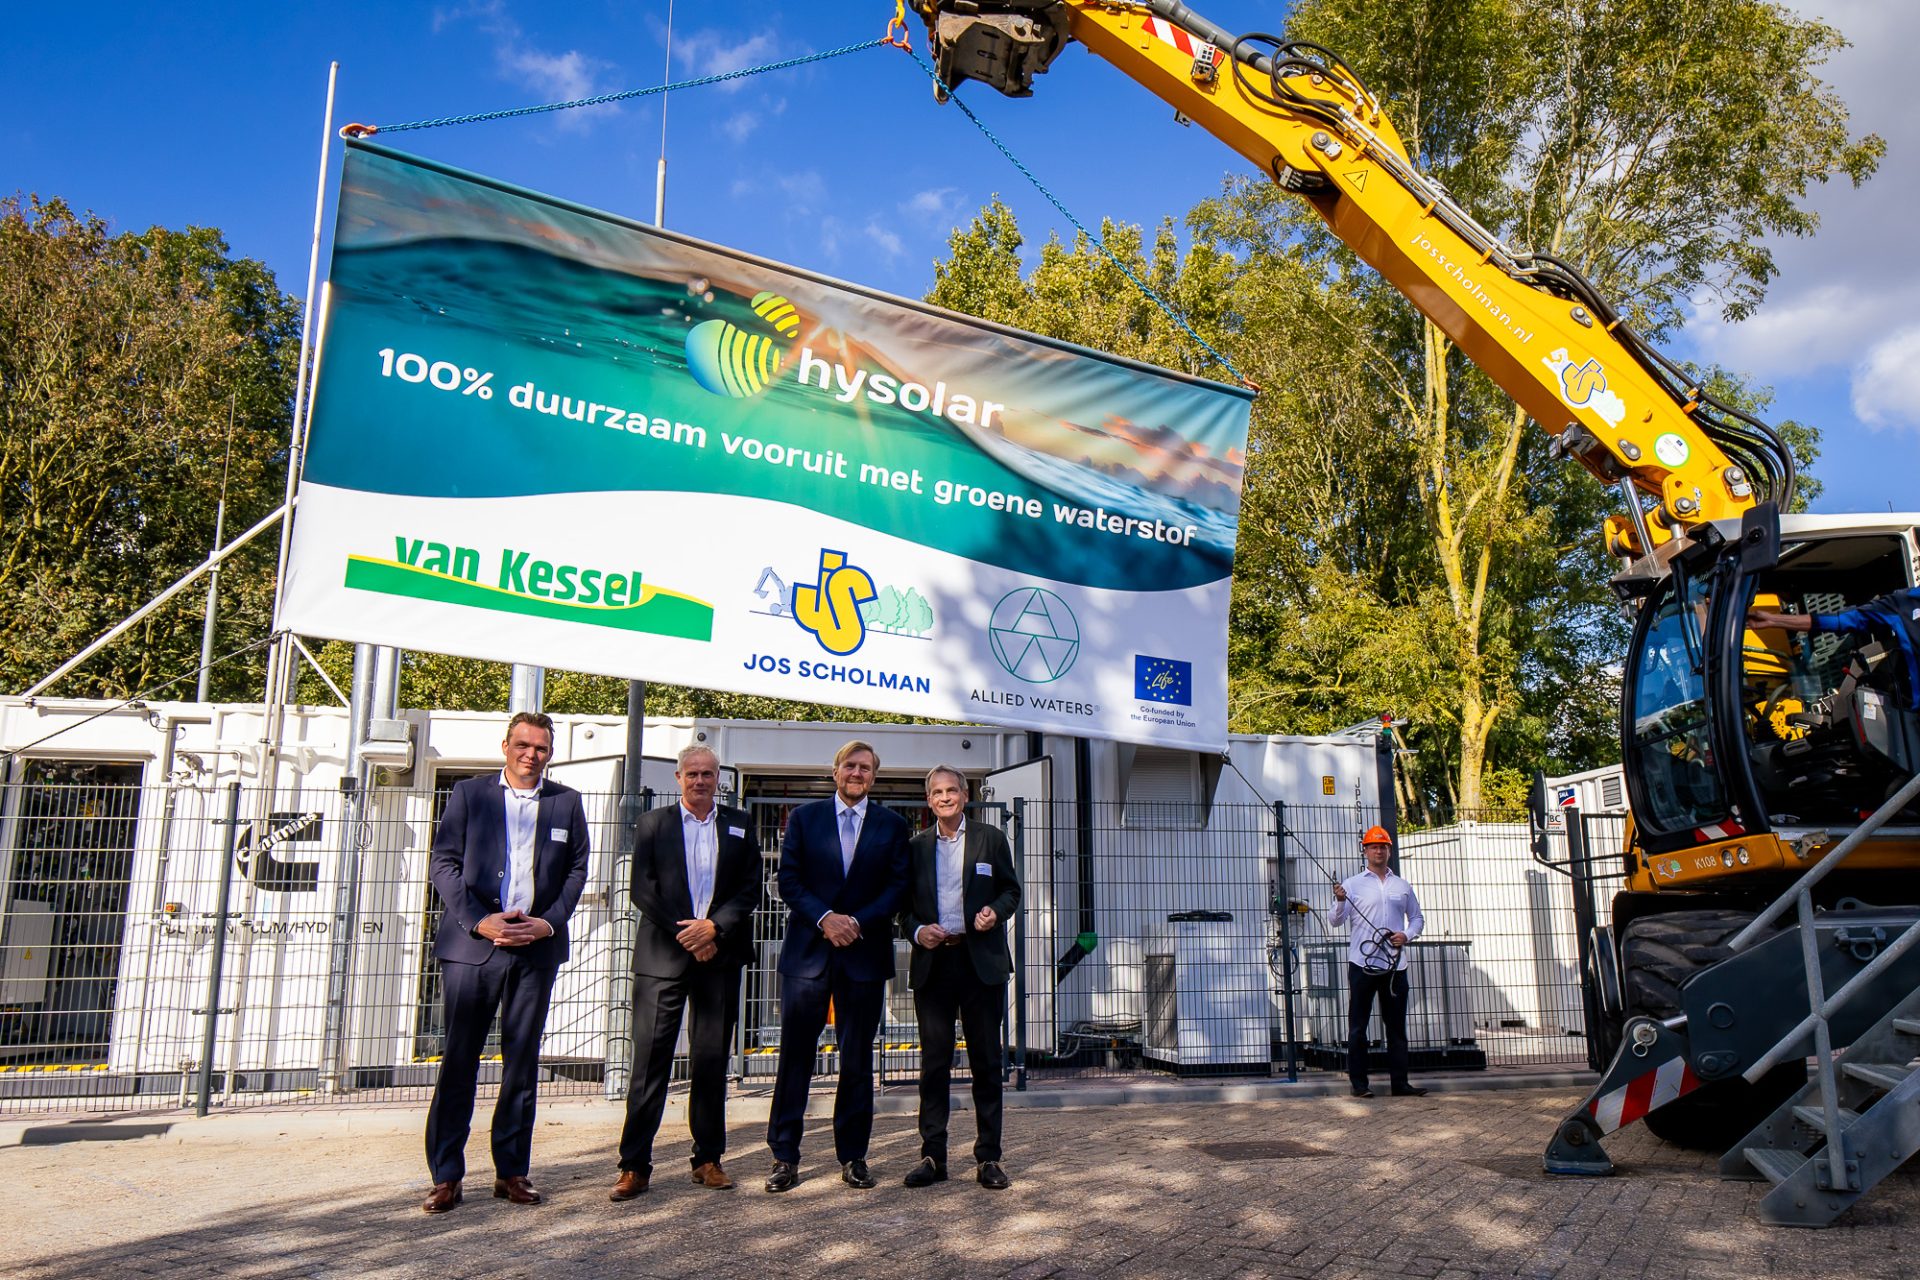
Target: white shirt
949, 875
1375, 903
702, 838
840, 810
523, 817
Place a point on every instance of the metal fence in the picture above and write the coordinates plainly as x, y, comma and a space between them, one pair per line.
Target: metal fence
180, 944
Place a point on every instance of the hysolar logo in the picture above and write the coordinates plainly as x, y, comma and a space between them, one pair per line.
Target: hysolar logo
729, 361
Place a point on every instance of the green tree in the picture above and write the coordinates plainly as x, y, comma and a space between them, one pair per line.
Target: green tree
124, 361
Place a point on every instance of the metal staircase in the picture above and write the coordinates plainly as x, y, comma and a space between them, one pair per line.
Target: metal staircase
1855, 1122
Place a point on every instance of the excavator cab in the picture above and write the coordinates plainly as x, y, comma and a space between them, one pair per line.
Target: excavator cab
1730, 732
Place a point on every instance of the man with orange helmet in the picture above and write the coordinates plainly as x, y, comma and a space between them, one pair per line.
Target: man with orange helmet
1385, 916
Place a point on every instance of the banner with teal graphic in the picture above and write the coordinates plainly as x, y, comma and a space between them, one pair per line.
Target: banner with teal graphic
549, 435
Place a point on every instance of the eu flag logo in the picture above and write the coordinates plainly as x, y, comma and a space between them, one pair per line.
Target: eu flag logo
1163, 679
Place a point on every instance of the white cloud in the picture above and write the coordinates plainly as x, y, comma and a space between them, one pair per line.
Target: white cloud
740, 125
1886, 385
804, 190
714, 53
552, 76
832, 231
932, 203
890, 245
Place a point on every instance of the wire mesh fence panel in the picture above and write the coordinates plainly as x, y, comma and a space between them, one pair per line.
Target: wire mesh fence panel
153, 953
1146, 938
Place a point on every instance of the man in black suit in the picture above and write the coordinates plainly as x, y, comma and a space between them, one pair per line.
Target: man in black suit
843, 867
961, 891
696, 881
509, 861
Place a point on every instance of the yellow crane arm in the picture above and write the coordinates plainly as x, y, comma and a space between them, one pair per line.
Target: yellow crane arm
1530, 321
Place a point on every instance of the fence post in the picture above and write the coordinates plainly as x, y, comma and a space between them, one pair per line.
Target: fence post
219, 951
618, 1068
1580, 877
1016, 834
1283, 904
346, 913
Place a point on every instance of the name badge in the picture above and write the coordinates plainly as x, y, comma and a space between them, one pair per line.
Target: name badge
558, 835
737, 831
983, 868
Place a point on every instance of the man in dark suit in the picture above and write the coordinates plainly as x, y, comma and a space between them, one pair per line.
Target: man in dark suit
696, 881
843, 867
961, 891
509, 861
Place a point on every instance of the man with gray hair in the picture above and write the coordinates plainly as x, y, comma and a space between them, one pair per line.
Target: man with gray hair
696, 880
962, 889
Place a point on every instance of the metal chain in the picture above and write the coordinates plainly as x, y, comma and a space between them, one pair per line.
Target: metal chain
1079, 226
604, 98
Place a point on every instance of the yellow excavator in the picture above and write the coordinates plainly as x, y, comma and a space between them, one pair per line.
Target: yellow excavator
1766, 911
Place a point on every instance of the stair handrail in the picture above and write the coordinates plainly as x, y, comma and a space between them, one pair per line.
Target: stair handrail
1826, 866
1820, 1006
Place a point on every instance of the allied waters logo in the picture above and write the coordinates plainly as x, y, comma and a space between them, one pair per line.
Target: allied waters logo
1034, 635
729, 361
830, 608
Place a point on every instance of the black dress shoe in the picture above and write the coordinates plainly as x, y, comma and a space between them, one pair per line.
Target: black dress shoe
1361, 1091
926, 1173
993, 1177
855, 1174
785, 1177
1411, 1091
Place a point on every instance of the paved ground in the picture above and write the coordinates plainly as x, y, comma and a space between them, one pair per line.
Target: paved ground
1330, 1188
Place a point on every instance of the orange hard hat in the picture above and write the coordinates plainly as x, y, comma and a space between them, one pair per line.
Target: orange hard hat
1376, 835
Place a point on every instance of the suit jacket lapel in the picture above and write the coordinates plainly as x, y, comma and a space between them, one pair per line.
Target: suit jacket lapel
673, 875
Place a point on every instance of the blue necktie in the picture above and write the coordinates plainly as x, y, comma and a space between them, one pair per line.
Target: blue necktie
849, 836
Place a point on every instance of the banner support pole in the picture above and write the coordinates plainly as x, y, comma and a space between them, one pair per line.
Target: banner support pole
275, 693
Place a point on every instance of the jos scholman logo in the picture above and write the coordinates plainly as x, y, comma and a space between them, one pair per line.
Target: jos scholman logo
830, 608
1163, 680
1034, 635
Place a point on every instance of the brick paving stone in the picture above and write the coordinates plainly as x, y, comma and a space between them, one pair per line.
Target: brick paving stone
1448, 1188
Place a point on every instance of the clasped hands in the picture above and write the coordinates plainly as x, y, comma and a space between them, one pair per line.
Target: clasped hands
513, 928
932, 935
840, 930
699, 937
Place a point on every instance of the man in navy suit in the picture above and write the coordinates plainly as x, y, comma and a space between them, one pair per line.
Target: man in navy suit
843, 869
509, 861
696, 881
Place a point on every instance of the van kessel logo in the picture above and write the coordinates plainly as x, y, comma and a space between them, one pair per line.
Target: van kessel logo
1163, 680
1034, 635
729, 361
604, 595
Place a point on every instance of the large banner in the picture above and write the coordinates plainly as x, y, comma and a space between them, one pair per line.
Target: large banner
547, 435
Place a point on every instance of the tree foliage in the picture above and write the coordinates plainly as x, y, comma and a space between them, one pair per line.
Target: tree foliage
125, 362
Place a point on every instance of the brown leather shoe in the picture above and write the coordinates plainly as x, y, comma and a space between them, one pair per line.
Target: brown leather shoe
445, 1196
712, 1175
516, 1189
633, 1182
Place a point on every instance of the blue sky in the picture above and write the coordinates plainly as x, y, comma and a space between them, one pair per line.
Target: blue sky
210, 114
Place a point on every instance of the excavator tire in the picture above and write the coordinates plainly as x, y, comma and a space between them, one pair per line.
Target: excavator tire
1657, 955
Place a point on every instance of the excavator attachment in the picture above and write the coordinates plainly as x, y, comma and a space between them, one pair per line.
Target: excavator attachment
1002, 43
